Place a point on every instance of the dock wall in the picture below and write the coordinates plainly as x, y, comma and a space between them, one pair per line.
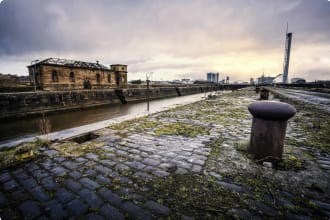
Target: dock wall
21, 104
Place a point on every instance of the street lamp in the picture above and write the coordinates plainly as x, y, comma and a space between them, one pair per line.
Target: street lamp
148, 75
33, 73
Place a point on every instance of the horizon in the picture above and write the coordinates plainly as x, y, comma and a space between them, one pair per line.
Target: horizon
175, 40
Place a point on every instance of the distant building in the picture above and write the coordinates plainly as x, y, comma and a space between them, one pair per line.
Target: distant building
298, 81
63, 74
8, 80
24, 79
212, 77
265, 79
325, 83
187, 81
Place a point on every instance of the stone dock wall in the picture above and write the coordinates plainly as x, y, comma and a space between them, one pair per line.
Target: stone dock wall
29, 103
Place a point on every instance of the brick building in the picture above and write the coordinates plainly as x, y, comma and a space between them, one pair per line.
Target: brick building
63, 74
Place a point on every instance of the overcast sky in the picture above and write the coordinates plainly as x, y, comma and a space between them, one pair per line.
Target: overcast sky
172, 38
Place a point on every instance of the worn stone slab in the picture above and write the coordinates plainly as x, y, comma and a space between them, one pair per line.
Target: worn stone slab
157, 208
30, 209
10, 185
29, 183
102, 169
90, 198
4, 177
135, 211
109, 196
151, 162
88, 183
103, 180
109, 212
232, 186
49, 183
77, 207
54, 210
92, 156
40, 194
20, 195
3, 200
59, 171
263, 208
64, 195
72, 185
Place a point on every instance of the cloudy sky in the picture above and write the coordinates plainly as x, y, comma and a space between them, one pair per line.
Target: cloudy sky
172, 38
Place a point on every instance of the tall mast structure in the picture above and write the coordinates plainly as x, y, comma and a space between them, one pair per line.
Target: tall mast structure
288, 40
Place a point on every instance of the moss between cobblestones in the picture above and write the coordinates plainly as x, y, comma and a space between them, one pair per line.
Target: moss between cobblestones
312, 124
289, 161
184, 129
215, 146
243, 147
196, 196
72, 149
138, 125
268, 192
20, 154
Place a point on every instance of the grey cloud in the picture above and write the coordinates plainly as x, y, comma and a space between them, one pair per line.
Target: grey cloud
134, 32
153, 26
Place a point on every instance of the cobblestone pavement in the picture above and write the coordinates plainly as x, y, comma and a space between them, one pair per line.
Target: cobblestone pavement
190, 162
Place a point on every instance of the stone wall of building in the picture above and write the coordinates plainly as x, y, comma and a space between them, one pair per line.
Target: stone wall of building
73, 78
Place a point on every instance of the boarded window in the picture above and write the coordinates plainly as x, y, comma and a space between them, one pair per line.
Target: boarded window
98, 78
72, 79
54, 76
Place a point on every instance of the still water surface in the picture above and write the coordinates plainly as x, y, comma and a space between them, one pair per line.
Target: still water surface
26, 127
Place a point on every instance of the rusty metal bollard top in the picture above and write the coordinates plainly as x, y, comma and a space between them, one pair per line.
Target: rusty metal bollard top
272, 110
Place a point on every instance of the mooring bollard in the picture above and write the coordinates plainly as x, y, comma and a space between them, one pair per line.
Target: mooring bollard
264, 94
257, 89
268, 128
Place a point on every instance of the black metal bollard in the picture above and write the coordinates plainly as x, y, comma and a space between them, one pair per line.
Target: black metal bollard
268, 128
264, 94
257, 89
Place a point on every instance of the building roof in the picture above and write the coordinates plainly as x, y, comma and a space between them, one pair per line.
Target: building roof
71, 63
118, 65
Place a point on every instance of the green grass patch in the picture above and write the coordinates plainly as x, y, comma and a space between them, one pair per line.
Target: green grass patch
290, 162
192, 195
22, 153
183, 129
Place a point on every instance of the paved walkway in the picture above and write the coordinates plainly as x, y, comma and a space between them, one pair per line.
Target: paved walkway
190, 162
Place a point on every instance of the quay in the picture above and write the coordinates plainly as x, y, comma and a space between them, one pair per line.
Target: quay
187, 162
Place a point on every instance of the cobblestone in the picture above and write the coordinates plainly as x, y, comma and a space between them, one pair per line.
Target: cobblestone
72, 185
77, 207
64, 195
40, 194
109, 196
121, 176
55, 210
49, 183
91, 198
157, 208
110, 212
3, 200
10, 185
135, 211
30, 209
90, 184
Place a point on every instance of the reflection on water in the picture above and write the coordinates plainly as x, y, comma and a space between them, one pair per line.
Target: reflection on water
25, 127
